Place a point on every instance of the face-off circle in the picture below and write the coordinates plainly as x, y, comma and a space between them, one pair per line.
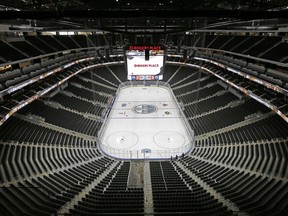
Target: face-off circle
169, 139
144, 109
122, 140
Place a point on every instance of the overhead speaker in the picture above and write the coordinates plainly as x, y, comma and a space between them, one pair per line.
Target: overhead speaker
185, 53
192, 53
178, 48
99, 54
107, 55
146, 55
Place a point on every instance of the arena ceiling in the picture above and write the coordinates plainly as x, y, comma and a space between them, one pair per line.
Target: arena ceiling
143, 16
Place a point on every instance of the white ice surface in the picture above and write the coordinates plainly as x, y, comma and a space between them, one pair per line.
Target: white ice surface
127, 133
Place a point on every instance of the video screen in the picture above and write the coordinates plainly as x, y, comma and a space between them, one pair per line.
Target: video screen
145, 63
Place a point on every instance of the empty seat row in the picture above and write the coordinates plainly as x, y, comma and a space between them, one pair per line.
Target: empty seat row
251, 193
47, 194
172, 195
112, 195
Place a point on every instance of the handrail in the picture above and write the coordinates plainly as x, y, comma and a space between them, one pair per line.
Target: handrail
47, 55
45, 91
243, 90
252, 78
21, 85
242, 56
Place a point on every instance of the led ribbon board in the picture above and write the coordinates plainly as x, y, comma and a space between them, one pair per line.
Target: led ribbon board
145, 62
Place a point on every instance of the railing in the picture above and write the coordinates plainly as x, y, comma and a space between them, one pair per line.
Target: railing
146, 154
244, 90
49, 55
47, 90
239, 55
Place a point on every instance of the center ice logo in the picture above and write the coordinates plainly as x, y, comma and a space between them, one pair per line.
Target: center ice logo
144, 109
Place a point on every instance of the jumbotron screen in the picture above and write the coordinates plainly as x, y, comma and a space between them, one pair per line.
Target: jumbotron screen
145, 62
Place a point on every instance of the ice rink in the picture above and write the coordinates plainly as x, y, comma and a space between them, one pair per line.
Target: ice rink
145, 122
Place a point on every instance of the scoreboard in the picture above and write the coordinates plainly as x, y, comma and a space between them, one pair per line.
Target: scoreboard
145, 62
